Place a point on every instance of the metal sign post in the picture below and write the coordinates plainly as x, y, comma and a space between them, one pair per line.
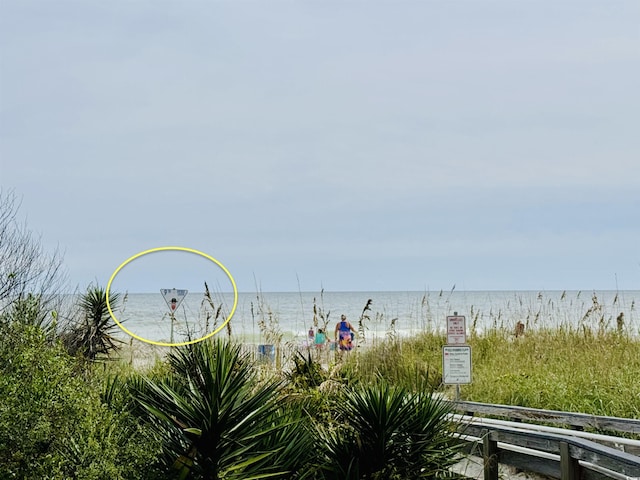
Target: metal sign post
456, 354
174, 298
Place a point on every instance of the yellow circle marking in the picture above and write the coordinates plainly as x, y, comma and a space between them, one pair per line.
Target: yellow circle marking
181, 249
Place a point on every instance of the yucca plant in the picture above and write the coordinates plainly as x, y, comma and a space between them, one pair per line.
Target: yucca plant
217, 421
93, 335
388, 432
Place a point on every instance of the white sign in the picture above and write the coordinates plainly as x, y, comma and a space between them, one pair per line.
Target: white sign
456, 330
173, 297
456, 364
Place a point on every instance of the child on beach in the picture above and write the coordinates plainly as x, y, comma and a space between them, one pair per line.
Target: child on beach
321, 339
310, 337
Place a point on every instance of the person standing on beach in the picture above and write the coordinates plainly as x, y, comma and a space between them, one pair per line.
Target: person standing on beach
344, 333
321, 339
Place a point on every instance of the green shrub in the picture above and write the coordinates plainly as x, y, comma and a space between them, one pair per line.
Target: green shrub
306, 372
53, 424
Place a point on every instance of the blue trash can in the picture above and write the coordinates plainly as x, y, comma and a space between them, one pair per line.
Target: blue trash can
267, 353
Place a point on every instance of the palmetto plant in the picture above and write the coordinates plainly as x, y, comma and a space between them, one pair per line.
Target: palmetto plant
388, 432
93, 335
217, 421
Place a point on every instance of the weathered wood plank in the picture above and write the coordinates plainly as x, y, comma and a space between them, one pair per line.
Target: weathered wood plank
581, 420
537, 441
533, 440
578, 449
529, 463
569, 466
604, 456
490, 454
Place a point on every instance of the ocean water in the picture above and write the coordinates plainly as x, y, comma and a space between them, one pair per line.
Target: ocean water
257, 316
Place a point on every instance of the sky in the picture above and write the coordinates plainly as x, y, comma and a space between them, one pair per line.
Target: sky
336, 145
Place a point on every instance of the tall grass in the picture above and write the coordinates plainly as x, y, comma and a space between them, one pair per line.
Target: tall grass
580, 352
568, 369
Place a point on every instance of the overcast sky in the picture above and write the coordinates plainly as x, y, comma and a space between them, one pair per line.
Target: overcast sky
352, 145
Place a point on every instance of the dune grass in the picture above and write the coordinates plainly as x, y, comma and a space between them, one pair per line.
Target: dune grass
562, 369
577, 370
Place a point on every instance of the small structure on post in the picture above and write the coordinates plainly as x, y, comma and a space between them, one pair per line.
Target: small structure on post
174, 298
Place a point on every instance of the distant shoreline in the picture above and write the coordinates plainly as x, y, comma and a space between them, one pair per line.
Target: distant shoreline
428, 291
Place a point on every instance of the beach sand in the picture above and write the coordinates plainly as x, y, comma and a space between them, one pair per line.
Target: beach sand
141, 355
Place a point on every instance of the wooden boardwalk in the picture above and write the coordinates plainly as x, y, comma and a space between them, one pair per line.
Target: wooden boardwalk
569, 454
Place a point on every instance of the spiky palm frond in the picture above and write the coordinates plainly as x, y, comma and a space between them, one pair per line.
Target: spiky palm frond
93, 335
389, 432
215, 418
306, 372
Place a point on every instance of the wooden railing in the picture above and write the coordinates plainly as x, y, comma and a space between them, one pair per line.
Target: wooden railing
577, 421
555, 455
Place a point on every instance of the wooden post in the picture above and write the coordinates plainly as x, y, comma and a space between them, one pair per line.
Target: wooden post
490, 454
569, 467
